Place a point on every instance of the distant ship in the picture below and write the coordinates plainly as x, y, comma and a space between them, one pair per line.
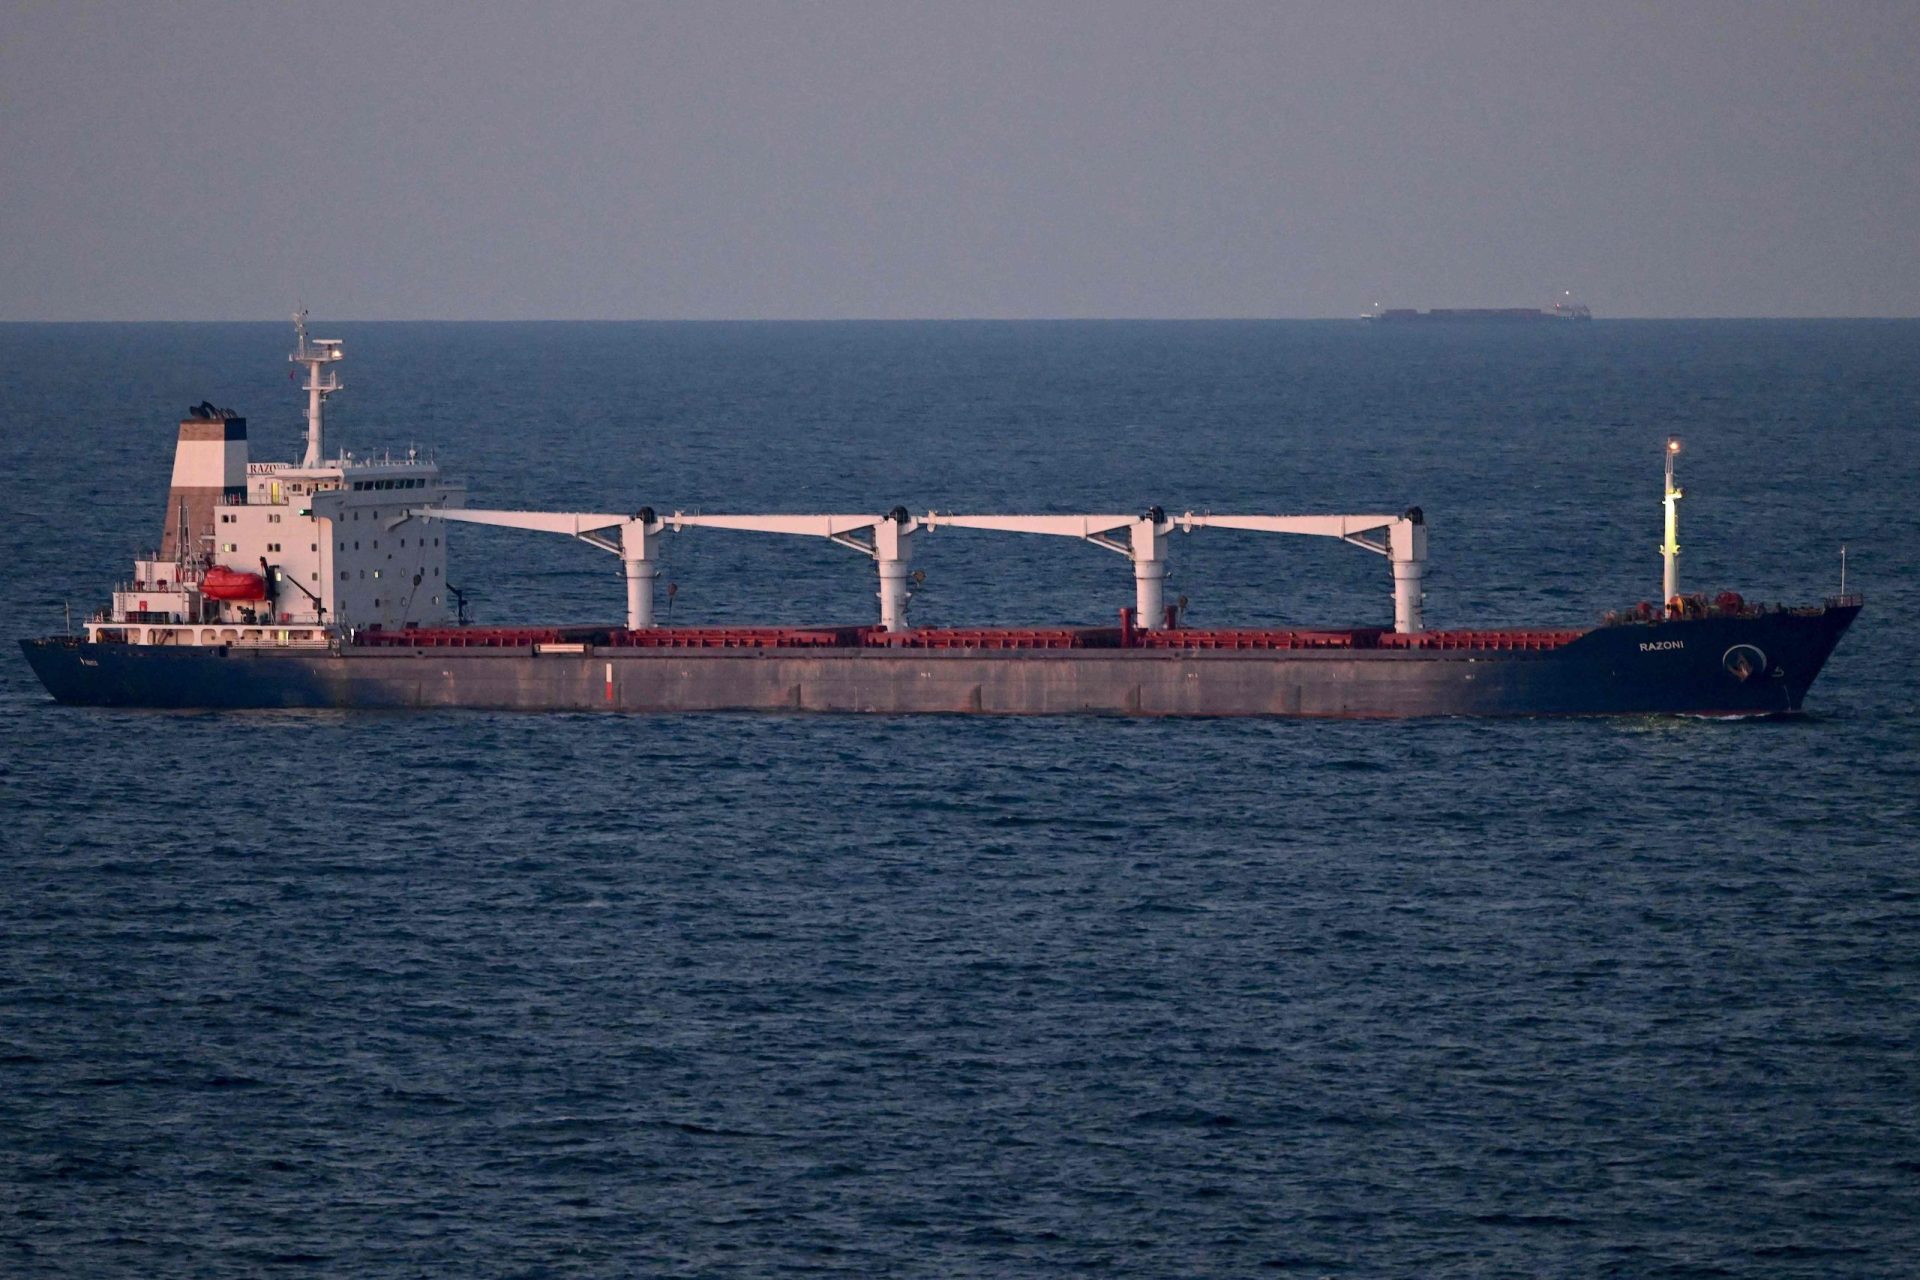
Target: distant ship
1565, 309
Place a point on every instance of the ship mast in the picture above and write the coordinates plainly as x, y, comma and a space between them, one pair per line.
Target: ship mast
313, 353
1670, 549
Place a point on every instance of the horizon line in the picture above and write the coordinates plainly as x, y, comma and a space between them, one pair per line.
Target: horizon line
718, 320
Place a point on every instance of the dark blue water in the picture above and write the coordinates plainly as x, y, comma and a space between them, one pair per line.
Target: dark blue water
474, 994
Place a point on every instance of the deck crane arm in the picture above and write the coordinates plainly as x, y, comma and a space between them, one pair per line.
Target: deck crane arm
1402, 539
888, 542
632, 538
1142, 539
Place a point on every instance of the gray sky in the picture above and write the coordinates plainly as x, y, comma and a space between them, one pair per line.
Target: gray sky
467, 160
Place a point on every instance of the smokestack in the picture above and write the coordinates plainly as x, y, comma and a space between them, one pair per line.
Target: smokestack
209, 464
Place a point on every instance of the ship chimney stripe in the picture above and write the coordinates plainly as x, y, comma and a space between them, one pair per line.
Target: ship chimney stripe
198, 429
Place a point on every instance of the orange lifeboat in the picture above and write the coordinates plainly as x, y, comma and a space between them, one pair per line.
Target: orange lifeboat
222, 583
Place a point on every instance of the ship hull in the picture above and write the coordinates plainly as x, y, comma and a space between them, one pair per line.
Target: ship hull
1678, 667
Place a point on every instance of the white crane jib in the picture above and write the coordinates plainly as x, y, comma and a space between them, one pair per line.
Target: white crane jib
1402, 539
1142, 539
888, 542
632, 538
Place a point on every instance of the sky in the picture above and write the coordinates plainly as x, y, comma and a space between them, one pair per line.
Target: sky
430, 159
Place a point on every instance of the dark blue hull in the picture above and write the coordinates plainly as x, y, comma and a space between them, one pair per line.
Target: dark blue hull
1725, 665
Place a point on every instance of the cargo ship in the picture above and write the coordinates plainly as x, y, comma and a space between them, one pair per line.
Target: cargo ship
323, 584
1564, 309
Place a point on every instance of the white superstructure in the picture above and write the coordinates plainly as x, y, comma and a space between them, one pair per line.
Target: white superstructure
278, 553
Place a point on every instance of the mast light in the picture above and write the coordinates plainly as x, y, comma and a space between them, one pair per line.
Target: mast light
1670, 548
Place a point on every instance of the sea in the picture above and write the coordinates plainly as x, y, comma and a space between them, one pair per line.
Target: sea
508, 995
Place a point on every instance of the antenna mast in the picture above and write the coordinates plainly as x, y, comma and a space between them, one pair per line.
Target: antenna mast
314, 353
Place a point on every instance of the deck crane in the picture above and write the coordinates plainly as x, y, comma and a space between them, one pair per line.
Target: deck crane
889, 542
635, 538
1143, 540
1402, 539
